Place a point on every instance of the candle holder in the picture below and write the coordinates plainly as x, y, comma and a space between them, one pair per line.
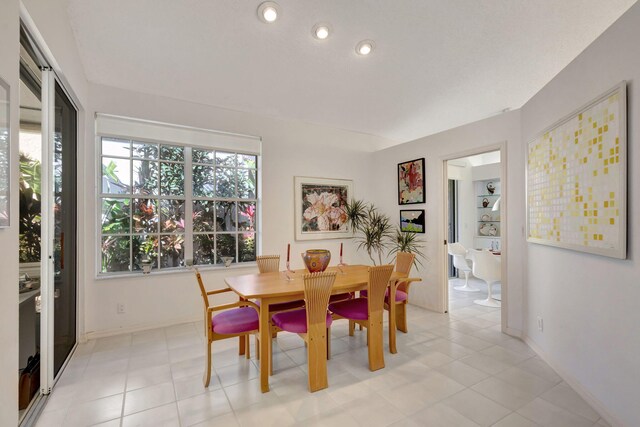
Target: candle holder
288, 272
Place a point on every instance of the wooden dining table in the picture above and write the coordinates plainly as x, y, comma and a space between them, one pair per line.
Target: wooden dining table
279, 287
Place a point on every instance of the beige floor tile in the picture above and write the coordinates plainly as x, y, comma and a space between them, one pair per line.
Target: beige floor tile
95, 411
146, 377
203, 407
165, 416
411, 398
563, 396
550, 415
440, 415
515, 420
462, 373
192, 386
373, 410
266, 415
525, 381
440, 356
310, 405
503, 393
485, 363
476, 407
148, 397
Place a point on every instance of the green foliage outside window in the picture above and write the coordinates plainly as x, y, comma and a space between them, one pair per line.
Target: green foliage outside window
145, 204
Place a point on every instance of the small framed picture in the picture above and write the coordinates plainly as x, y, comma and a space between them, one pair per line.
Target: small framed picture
411, 182
412, 220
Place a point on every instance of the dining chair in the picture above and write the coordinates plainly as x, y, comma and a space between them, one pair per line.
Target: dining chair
487, 267
460, 261
271, 264
367, 312
268, 263
313, 324
404, 262
238, 319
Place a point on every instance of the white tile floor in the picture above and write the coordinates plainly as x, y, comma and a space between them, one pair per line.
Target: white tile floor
450, 370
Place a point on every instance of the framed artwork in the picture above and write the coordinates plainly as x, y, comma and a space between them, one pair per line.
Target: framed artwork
411, 182
577, 179
320, 208
5, 134
412, 220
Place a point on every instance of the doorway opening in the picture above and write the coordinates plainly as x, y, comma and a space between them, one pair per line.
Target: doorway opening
475, 226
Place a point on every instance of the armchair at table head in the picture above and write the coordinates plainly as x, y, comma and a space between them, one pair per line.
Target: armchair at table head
239, 319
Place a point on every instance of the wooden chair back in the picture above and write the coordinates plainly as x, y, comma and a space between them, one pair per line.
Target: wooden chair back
378, 281
404, 262
268, 263
317, 290
203, 290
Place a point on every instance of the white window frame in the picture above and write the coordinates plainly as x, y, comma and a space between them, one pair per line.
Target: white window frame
188, 196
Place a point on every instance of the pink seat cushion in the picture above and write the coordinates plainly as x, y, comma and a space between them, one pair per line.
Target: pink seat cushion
236, 321
355, 309
294, 321
400, 295
284, 305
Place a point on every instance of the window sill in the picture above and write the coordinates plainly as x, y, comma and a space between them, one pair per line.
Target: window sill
179, 270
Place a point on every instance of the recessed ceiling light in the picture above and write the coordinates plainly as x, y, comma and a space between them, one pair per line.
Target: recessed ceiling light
365, 47
268, 12
321, 31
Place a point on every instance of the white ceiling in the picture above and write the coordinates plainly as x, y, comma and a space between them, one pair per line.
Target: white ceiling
437, 63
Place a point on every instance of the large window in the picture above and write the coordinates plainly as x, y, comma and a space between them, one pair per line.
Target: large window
164, 203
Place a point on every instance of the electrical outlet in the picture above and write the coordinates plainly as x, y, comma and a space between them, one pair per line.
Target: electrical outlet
540, 324
121, 308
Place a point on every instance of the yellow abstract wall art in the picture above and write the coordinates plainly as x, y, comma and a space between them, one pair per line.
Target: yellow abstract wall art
577, 179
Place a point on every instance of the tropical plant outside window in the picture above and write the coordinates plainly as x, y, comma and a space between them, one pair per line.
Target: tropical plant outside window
164, 203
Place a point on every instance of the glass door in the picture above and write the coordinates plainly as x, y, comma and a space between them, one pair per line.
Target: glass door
48, 222
64, 235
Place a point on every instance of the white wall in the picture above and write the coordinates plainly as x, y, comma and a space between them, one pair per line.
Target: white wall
289, 149
590, 303
459, 142
9, 51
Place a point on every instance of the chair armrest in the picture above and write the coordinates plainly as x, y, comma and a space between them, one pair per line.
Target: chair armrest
218, 291
406, 283
233, 305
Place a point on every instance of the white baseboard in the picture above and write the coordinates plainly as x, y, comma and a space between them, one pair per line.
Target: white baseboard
92, 335
577, 386
516, 333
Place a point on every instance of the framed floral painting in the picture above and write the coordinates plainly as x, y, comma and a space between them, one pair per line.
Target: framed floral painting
411, 182
320, 208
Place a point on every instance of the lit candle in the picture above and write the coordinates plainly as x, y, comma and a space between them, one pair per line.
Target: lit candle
288, 251
340, 249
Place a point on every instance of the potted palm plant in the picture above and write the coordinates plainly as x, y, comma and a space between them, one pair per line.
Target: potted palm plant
373, 232
372, 228
407, 241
